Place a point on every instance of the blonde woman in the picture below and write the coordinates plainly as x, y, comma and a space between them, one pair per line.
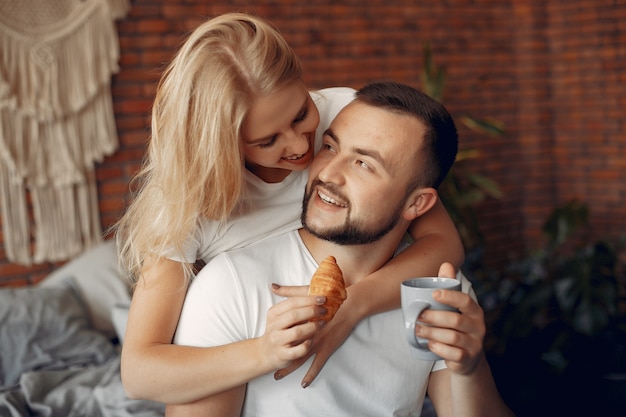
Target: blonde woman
234, 130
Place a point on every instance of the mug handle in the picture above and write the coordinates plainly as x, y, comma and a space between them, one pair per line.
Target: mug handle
411, 313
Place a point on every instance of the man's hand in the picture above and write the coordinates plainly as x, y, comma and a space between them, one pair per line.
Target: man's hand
325, 341
456, 337
288, 331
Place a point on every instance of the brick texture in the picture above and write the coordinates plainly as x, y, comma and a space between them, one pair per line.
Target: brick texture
553, 71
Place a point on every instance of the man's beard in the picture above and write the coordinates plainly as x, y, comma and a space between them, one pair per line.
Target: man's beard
352, 232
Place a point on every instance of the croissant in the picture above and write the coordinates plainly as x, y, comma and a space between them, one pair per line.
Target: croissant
328, 281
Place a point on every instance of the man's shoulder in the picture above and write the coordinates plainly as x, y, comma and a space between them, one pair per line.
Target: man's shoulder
256, 254
247, 273
270, 244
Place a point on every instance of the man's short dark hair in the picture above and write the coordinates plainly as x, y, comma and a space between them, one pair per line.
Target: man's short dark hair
440, 142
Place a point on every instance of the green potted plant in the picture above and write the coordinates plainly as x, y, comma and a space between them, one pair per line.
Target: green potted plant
463, 188
557, 325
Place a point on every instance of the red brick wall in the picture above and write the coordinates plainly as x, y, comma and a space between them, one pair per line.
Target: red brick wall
553, 71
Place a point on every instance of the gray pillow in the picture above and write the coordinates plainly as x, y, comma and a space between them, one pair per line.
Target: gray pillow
44, 329
98, 281
119, 317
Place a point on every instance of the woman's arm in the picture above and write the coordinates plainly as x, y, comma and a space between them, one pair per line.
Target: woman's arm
436, 240
225, 404
155, 369
151, 366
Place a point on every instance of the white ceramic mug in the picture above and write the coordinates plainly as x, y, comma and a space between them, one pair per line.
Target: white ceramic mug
416, 296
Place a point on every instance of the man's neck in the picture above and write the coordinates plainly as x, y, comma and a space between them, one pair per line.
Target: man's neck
355, 261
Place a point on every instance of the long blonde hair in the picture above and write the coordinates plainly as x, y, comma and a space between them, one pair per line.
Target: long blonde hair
194, 165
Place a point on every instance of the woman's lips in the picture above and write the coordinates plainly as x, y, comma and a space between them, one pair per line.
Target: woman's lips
303, 159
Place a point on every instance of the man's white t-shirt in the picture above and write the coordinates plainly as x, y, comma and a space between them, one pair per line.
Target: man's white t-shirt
272, 209
372, 374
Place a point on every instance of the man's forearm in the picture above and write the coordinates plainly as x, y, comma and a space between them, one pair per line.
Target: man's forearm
476, 395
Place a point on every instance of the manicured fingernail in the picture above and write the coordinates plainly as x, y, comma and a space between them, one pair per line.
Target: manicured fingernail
278, 376
305, 384
275, 286
322, 323
320, 300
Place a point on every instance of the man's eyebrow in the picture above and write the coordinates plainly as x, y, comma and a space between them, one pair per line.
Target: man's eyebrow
372, 153
330, 133
268, 137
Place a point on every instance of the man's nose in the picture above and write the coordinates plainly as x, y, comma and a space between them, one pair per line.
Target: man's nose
332, 171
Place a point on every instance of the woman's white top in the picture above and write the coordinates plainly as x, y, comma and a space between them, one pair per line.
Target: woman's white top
270, 209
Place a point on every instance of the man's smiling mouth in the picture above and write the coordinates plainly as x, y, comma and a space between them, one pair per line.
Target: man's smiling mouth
328, 199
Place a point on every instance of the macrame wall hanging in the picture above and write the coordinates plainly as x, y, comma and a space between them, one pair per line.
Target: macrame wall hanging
56, 122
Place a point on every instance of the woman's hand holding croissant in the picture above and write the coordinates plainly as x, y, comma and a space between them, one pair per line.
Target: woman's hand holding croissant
289, 329
325, 341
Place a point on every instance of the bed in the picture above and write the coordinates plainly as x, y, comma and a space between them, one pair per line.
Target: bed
60, 343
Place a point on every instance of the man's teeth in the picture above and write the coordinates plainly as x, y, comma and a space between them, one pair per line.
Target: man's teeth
328, 199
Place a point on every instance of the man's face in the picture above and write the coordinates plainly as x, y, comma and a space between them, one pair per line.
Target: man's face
357, 189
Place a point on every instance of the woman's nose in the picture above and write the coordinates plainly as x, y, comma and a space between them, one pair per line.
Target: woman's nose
298, 143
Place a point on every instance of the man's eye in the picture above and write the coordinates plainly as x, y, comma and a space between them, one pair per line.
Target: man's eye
327, 147
362, 164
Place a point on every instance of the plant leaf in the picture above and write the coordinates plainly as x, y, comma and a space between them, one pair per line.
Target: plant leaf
489, 126
487, 185
433, 78
465, 154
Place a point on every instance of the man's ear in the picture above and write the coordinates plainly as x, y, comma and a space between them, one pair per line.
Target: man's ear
419, 202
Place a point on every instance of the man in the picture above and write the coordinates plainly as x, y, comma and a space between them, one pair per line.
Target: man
382, 158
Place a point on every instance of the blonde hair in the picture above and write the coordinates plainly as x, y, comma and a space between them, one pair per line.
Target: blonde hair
194, 165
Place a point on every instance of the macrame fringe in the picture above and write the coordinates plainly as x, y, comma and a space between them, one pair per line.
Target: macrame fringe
57, 121
69, 219
56, 74
118, 8
15, 224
